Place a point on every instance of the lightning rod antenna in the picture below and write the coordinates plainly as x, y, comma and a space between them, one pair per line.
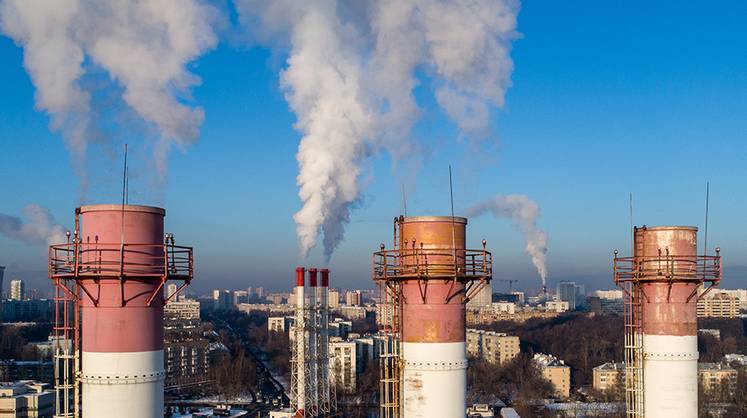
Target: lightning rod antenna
705, 239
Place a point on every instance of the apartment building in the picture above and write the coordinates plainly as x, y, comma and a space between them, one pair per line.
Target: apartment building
556, 372
342, 363
26, 399
280, 324
494, 347
719, 305
557, 306
186, 352
608, 375
712, 375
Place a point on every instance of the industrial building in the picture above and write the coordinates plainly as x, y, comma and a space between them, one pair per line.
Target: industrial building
556, 372
26, 399
662, 283
109, 296
426, 279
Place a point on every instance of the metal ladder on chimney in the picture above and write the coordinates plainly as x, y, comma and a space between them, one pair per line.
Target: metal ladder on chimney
633, 351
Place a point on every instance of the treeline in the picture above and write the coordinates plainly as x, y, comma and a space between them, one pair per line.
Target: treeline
14, 340
733, 338
235, 371
581, 340
518, 382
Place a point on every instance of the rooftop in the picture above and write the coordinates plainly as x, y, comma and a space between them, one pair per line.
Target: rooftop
714, 366
548, 360
610, 366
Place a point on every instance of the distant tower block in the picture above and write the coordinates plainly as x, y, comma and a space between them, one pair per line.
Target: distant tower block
661, 283
120, 263
430, 275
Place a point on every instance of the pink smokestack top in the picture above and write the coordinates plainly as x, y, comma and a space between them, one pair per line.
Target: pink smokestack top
325, 277
312, 277
300, 276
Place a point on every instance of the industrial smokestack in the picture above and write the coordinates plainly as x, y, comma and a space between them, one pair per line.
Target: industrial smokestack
323, 355
310, 389
313, 351
298, 378
661, 283
121, 267
432, 332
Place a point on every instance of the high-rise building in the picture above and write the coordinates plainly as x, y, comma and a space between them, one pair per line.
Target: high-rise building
342, 363
186, 352
222, 299
170, 290
239, 296
17, 290
260, 292
483, 298
353, 298
572, 293
334, 299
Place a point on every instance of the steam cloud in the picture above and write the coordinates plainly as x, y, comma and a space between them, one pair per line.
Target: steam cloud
524, 213
350, 75
144, 45
39, 227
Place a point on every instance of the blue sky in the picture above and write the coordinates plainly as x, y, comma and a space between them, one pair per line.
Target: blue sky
608, 98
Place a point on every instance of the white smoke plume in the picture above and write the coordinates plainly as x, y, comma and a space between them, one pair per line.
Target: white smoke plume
39, 227
350, 75
523, 212
143, 45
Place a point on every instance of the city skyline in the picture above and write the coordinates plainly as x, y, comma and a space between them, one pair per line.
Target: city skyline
584, 122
